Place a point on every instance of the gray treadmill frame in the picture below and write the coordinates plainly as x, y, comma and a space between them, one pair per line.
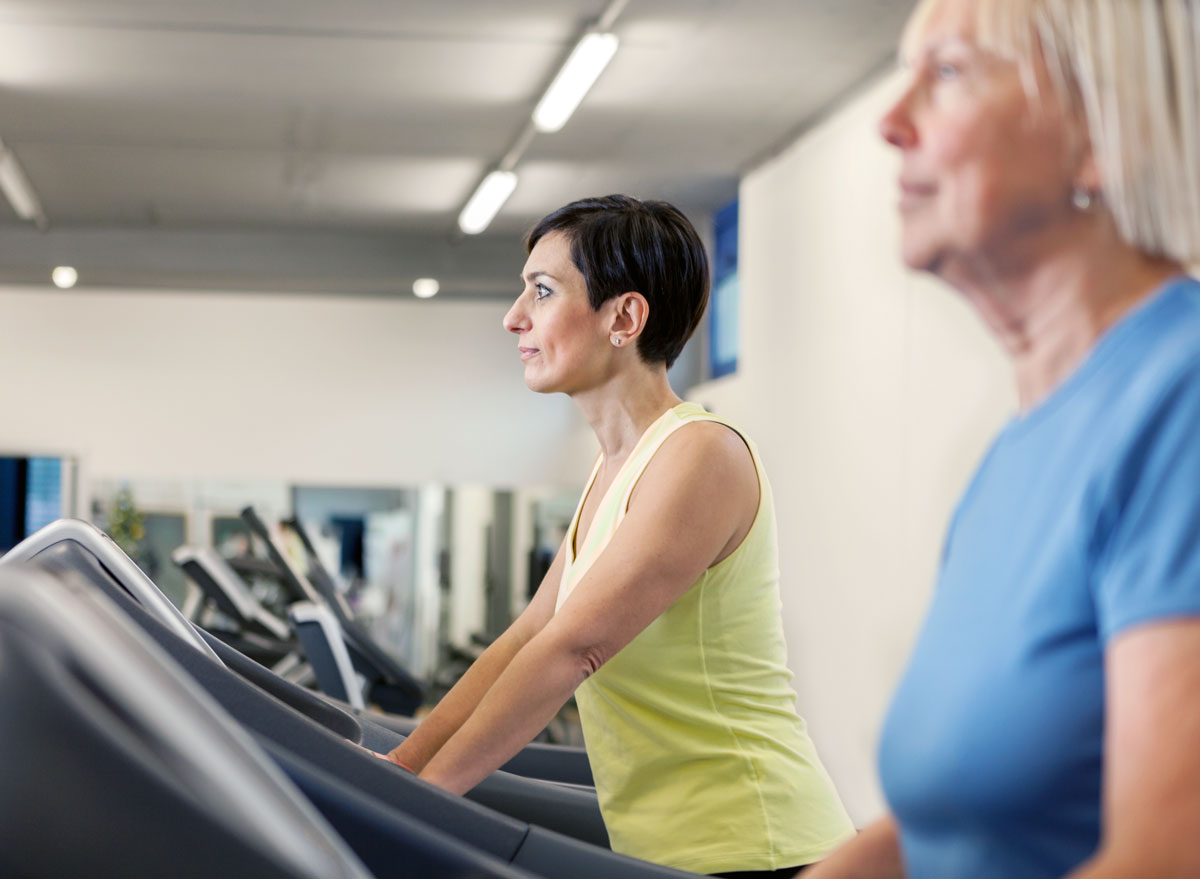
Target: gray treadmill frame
306, 613
202, 740
130, 576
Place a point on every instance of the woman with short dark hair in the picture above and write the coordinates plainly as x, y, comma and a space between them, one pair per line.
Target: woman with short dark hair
661, 610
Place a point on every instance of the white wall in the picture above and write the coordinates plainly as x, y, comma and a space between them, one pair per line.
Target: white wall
318, 390
871, 394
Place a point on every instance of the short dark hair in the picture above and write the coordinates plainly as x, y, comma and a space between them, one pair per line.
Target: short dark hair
620, 245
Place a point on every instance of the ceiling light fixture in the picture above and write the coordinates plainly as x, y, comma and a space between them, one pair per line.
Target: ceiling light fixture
18, 191
426, 288
64, 277
577, 75
491, 194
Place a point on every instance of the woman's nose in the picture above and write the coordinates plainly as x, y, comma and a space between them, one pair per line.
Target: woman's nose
896, 125
515, 321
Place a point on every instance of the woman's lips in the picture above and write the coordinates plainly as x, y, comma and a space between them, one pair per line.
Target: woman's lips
526, 353
913, 192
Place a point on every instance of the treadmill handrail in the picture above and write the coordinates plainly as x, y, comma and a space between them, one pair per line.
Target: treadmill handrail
332, 639
132, 578
293, 579
355, 636
324, 582
204, 562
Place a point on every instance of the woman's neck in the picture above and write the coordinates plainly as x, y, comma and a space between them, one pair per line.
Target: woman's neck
1048, 316
621, 409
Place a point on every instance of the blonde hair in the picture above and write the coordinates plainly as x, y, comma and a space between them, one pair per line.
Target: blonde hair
1131, 70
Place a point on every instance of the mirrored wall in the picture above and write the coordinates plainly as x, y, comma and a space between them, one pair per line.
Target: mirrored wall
433, 571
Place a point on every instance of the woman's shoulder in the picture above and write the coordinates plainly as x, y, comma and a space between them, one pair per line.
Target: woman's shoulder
703, 449
705, 478
693, 416
708, 437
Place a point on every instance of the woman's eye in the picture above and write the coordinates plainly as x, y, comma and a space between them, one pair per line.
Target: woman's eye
540, 291
946, 71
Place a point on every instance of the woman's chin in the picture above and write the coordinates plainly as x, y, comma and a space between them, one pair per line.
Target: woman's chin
537, 385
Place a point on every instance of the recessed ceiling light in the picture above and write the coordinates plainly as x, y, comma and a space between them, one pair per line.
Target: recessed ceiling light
64, 277
425, 288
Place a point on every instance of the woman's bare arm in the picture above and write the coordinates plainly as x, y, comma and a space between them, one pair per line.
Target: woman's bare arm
457, 705
690, 503
873, 854
1151, 754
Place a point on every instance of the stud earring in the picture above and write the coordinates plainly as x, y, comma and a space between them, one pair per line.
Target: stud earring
616, 340
1082, 199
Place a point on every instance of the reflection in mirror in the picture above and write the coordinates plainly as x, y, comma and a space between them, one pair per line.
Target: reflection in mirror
432, 573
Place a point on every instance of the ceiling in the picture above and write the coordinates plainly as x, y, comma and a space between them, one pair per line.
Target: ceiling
305, 145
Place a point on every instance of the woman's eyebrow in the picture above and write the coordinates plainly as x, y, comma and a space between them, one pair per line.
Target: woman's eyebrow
933, 48
538, 273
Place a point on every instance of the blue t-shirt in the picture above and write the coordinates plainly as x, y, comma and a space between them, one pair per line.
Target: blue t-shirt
1083, 520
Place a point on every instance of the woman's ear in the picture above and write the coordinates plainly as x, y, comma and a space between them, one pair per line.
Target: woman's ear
630, 311
1087, 176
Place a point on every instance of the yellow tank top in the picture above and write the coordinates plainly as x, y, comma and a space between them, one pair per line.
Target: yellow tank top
700, 759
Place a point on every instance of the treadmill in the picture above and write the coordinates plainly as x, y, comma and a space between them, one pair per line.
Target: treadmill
359, 794
386, 682
255, 630
118, 764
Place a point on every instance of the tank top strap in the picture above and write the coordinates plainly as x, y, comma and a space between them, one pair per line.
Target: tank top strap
656, 435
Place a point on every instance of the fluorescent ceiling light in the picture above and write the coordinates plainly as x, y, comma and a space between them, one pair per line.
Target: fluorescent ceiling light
17, 189
426, 288
587, 61
491, 195
64, 277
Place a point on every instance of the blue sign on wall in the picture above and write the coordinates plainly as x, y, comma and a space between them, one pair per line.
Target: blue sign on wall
31, 497
43, 493
723, 304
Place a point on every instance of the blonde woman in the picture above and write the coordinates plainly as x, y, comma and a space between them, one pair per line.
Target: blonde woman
1049, 719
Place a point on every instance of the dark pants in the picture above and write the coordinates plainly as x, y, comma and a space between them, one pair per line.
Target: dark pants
784, 873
